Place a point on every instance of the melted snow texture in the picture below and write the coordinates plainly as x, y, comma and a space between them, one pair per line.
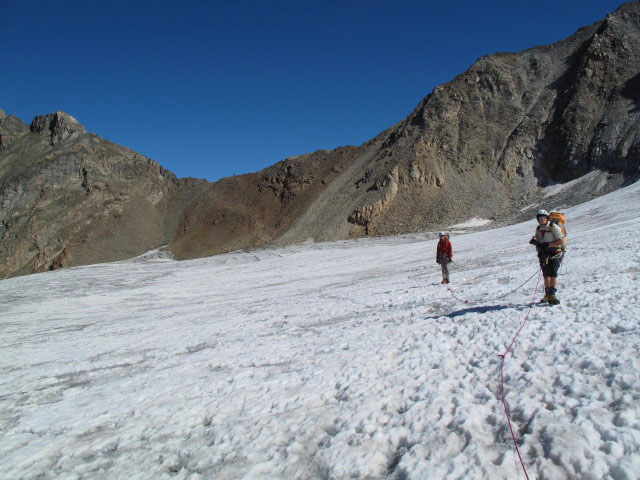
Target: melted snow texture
338, 360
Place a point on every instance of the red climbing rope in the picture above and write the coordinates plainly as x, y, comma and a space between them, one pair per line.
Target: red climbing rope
470, 302
503, 357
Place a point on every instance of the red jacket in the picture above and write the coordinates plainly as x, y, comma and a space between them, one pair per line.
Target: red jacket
444, 248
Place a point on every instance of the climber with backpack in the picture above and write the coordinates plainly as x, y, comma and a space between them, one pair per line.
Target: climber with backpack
444, 255
550, 242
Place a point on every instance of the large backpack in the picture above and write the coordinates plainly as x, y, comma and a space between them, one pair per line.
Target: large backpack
559, 219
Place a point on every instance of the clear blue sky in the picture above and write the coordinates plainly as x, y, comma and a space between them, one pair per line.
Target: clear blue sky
212, 89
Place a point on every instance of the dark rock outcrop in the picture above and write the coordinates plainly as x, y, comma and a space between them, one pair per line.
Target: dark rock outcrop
59, 126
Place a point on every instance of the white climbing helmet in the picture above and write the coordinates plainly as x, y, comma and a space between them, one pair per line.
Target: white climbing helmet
442, 234
542, 213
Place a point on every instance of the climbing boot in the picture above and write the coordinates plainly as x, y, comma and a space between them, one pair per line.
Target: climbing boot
553, 300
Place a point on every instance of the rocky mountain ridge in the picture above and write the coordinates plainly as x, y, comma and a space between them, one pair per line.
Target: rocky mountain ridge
483, 145
68, 197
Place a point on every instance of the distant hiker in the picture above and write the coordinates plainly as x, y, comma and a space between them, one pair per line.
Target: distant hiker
549, 242
444, 255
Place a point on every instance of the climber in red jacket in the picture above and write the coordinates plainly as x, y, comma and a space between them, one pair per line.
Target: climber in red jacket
444, 255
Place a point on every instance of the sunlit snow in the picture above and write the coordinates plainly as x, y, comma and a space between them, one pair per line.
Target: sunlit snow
473, 222
332, 361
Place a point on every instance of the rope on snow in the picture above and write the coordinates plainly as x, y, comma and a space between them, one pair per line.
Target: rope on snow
509, 349
502, 361
470, 302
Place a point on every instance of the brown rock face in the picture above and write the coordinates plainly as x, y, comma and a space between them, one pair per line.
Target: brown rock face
482, 145
255, 209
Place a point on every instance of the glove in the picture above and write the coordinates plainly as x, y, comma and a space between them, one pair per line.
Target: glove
535, 242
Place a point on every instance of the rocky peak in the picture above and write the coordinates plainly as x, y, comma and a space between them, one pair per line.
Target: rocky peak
61, 126
10, 128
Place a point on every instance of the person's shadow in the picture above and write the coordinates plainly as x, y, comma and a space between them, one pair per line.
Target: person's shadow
485, 309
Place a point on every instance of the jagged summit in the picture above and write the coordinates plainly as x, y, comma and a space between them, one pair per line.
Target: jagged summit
59, 125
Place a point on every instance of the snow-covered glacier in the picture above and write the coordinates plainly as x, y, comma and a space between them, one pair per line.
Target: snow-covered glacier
331, 361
